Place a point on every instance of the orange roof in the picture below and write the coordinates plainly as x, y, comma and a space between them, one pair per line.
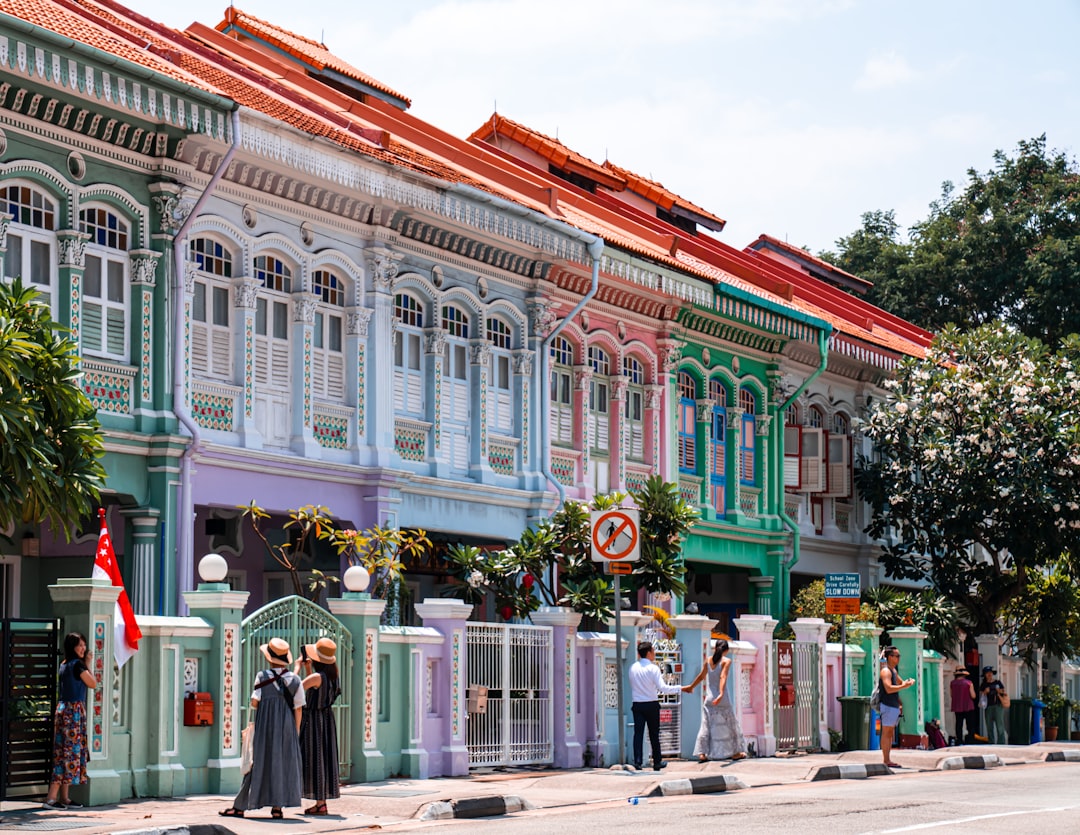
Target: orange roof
853, 281
310, 52
667, 200
552, 150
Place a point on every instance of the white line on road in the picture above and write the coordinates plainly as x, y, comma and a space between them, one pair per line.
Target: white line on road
955, 821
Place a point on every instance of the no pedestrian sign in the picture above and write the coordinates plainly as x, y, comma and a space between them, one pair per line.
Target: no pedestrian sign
615, 535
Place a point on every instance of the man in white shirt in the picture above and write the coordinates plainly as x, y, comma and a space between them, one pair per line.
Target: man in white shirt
646, 687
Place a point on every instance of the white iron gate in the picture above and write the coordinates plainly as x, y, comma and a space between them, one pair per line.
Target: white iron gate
797, 698
514, 663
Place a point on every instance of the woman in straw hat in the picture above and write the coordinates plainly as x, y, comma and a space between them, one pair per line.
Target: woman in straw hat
318, 730
277, 704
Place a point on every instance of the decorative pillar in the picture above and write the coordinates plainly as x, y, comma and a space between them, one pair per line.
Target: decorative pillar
383, 267
757, 630
357, 320
245, 299
763, 589
143, 280
815, 631
88, 606
523, 372
144, 559
909, 640
223, 609
568, 736
435, 352
72, 261
693, 632
480, 362
360, 615
583, 375
734, 481
616, 432
449, 617
667, 461
301, 345
703, 438
761, 432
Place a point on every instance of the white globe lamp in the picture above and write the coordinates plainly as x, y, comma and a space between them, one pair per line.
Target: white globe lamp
213, 568
356, 579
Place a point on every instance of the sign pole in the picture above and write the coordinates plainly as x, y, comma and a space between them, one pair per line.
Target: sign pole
619, 677
843, 655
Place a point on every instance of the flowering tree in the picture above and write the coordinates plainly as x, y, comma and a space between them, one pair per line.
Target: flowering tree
976, 482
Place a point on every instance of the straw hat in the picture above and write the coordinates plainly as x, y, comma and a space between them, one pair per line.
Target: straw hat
323, 650
277, 652
961, 671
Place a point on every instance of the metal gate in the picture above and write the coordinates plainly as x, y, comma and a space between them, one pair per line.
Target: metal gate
299, 622
514, 663
28, 665
797, 697
669, 660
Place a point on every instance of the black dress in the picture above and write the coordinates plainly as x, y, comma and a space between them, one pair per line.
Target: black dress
318, 742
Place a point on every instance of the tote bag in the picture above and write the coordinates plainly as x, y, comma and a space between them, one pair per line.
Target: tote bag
247, 749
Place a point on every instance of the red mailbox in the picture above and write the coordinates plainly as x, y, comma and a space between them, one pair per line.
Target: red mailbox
198, 709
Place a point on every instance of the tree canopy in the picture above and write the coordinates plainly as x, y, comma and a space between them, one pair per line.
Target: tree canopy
50, 444
1004, 247
977, 487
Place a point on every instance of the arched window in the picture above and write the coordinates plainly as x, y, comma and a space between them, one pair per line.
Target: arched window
328, 357
455, 393
561, 411
747, 439
106, 283
408, 356
634, 408
500, 399
718, 446
273, 273
211, 339
791, 416
816, 418
687, 388
31, 240
599, 420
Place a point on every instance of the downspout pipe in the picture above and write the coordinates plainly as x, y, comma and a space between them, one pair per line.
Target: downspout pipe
788, 522
185, 527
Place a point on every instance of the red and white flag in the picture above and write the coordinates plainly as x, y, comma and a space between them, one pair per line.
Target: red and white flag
126, 632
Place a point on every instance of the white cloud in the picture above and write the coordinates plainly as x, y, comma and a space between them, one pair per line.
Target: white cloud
887, 70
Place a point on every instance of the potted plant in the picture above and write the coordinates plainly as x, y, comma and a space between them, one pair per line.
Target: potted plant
1054, 702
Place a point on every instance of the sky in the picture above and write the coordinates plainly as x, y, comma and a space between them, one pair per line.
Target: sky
785, 117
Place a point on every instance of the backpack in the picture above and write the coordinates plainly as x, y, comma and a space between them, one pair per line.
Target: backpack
875, 694
934, 735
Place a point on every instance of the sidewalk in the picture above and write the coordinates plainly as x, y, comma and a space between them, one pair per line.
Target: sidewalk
395, 801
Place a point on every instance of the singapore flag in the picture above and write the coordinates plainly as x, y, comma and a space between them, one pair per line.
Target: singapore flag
126, 631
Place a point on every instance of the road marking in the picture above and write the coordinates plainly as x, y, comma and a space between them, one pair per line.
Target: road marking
955, 821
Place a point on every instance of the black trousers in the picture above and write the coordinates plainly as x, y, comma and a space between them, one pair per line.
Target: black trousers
646, 714
970, 718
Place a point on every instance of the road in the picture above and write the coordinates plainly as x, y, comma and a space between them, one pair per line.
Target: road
1027, 799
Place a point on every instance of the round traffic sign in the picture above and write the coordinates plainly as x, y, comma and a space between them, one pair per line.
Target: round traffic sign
615, 535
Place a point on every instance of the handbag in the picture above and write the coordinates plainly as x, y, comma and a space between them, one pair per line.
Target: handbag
982, 702
247, 748
1003, 699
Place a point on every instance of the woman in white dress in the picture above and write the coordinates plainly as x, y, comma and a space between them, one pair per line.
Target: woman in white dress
720, 737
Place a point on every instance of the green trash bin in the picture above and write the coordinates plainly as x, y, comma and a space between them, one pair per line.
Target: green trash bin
1019, 725
855, 718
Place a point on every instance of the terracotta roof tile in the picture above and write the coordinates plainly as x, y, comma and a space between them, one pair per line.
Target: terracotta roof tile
666, 199
802, 254
311, 52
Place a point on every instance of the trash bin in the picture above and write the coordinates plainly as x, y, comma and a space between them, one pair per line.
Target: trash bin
1036, 720
1019, 711
855, 718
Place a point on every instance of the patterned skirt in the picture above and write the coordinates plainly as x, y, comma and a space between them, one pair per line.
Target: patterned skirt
69, 743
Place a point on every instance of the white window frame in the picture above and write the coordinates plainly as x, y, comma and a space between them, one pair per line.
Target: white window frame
328, 361
561, 406
634, 409
212, 332
501, 380
29, 234
111, 316
599, 429
456, 405
408, 357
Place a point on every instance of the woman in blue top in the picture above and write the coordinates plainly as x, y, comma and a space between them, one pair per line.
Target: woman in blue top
69, 739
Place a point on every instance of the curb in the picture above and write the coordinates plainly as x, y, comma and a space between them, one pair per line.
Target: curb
1062, 756
698, 785
474, 807
970, 761
850, 771
197, 829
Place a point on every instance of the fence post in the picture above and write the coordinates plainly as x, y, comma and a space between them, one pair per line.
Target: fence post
815, 631
870, 641
693, 632
909, 640
568, 750
360, 615
757, 630
223, 609
449, 616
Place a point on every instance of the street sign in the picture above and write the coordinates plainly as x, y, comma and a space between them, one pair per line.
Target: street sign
843, 585
618, 567
841, 605
615, 535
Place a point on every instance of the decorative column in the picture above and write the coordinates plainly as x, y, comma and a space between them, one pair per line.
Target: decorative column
763, 589
357, 320
815, 631
523, 372
383, 267
670, 356
144, 560
582, 382
909, 640
734, 436
568, 736
360, 615
654, 399
616, 431
88, 606
449, 686
703, 437
245, 298
762, 423
480, 362
760, 681
143, 280
301, 345
72, 261
693, 632
223, 609
5, 222
434, 359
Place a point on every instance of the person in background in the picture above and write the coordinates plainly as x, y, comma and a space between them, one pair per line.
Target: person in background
891, 685
995, 713
277, 703
647, 685
720, 737
962, 692
318, 729
69, 726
